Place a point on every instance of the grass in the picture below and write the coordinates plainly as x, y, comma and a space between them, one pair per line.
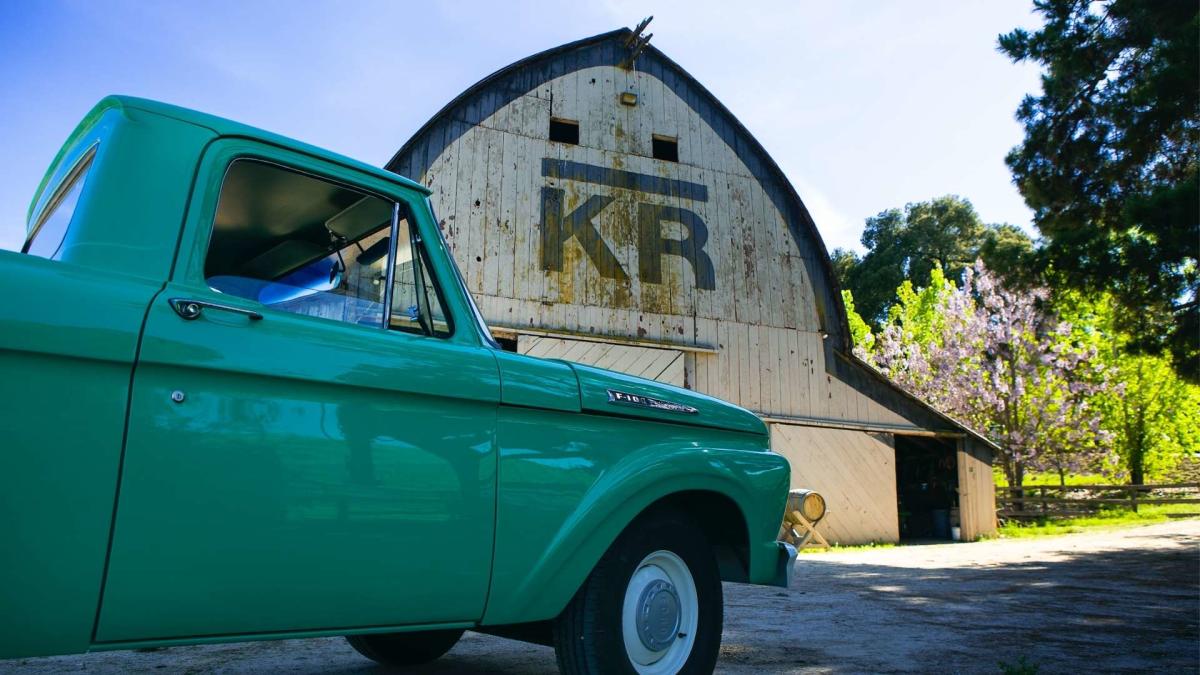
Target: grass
1051, 478
838, 548
1106, 518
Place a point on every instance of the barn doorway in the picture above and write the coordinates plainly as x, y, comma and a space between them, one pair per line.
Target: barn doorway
926, 487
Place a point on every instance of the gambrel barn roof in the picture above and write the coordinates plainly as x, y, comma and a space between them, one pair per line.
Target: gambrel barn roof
613, 49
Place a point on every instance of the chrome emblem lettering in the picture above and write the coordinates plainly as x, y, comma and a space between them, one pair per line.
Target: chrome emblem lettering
625, 398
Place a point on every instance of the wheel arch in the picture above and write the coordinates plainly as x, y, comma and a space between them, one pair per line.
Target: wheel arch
736, 498
721, 520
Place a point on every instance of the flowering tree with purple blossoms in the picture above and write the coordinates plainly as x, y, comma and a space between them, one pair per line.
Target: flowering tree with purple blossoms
998, 361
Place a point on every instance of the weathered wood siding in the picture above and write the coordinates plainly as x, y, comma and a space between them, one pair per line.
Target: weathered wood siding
715, 251
855, 471
664, 365
757, 307
976, 490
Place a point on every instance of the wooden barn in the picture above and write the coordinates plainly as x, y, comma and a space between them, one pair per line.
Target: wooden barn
606, 208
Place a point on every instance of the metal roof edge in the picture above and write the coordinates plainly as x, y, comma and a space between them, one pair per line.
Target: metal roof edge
497, 75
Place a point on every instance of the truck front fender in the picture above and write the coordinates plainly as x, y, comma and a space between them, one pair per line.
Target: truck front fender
564, 500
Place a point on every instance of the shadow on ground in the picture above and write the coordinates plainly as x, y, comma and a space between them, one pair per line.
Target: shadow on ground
1128, 609
1079, 604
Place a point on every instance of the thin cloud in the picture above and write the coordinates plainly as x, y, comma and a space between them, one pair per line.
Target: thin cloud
838, 230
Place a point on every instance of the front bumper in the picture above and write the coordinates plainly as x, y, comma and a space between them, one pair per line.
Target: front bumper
785, 564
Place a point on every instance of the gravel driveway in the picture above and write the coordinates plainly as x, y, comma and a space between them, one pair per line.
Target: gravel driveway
1116, 601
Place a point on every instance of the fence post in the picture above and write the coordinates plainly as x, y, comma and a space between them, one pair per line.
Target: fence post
1043, 491
1133, 498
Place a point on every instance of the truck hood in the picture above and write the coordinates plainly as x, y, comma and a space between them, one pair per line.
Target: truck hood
611, 393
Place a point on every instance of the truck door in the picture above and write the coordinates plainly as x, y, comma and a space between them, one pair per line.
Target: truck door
310, 441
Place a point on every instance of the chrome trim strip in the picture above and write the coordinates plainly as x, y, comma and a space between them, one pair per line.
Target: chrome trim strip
391, 267
616, 397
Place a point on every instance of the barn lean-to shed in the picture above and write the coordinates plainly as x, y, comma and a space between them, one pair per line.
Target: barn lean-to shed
606, 208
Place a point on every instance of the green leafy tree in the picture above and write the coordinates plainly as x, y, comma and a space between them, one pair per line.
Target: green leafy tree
1151, 413
860, 333
909, 243
844, 261
1109, 163
920, 313
945, 232
1011, 253
1155, 419
875, 276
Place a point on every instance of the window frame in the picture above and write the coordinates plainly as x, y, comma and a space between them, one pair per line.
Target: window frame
662, 140
80, 169
424, 268
564, 123
398, 203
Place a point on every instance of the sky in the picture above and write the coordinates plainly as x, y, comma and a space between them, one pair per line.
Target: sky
865, 105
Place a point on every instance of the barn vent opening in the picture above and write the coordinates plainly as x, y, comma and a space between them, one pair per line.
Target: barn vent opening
564, 131
665, 148
926, 487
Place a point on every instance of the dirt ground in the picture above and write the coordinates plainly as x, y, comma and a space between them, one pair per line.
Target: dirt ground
1116, 601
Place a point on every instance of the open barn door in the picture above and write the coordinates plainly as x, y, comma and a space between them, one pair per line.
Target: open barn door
926, 487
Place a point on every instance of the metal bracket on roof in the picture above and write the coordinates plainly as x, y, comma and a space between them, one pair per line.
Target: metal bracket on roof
636, 42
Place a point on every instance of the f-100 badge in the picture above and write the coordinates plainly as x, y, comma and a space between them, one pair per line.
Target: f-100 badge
625, 398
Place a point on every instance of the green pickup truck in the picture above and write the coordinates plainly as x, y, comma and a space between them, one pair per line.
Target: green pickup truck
246, 396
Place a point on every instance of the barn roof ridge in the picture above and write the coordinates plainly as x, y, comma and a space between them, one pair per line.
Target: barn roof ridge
748, 149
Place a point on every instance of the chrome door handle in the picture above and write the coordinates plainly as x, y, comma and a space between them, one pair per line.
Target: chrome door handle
189, 310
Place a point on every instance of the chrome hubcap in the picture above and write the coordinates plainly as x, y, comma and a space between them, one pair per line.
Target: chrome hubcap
658, 615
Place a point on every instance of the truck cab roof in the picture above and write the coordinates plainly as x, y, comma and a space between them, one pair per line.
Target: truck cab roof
218, 125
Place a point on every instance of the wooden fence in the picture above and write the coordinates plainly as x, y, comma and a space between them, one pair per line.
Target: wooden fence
1029, 502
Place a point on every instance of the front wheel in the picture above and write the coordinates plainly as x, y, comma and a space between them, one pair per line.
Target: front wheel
652, 605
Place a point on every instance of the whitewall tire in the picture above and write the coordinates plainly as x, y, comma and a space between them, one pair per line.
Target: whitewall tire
652, 605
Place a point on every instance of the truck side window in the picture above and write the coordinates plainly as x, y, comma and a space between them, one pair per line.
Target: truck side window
47, 237
301, 244
416, 302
